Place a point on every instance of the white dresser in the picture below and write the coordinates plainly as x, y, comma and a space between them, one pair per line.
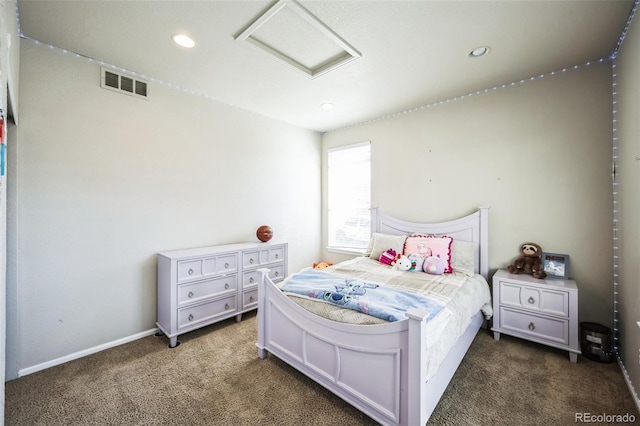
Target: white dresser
200, 286
543, 311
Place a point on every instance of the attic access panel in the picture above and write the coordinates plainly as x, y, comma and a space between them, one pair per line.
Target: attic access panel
290, 34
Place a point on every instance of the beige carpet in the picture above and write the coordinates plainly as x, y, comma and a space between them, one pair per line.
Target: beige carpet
215, 378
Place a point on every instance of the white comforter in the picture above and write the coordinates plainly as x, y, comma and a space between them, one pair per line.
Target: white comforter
462, 295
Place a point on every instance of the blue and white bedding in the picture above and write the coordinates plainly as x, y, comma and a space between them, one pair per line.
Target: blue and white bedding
384, 302
461, 296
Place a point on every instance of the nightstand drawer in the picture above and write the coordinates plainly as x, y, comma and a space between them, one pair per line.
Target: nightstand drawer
541, 327
535, 299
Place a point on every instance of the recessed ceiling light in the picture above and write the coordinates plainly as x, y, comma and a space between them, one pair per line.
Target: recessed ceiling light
183, 40
327, 106
479, 51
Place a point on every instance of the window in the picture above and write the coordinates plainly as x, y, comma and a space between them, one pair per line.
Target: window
349, 196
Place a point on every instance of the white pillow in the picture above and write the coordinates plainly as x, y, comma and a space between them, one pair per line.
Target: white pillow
380, 243
463, 256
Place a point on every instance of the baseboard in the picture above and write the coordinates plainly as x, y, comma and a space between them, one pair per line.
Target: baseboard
85, 352
627, 379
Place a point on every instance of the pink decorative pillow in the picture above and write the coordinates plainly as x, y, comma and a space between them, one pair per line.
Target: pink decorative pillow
430, 245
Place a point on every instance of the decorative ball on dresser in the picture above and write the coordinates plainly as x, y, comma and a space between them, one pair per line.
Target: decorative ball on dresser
264, 233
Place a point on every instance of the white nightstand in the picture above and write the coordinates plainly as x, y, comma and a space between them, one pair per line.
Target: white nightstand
542, 311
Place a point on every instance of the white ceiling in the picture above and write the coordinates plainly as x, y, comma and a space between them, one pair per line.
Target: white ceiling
413, 53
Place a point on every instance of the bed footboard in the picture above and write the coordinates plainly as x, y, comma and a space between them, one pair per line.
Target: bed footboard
376, 368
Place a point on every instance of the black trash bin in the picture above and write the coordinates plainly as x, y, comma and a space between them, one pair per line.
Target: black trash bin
595, 342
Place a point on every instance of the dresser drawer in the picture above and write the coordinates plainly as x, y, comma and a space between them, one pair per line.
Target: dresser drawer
547, 328
254, 258
252, 278
250, 299
535, 299
189, 270
223, 264
190, 293
206, 311
276, 254
263, 256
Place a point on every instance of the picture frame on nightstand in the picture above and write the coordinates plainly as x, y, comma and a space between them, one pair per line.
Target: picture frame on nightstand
556, 265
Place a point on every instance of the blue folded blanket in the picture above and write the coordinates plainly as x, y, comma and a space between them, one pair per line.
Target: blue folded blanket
377, 300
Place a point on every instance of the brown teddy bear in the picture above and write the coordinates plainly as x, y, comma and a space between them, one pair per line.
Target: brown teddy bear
530, 262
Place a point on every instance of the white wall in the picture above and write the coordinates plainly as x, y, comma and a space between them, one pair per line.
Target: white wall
537, 153
105, 181
9, 51
628, 176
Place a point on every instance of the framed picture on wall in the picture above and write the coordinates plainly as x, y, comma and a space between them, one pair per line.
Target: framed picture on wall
556, 265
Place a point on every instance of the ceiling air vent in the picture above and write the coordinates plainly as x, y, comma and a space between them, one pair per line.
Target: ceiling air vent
123, 83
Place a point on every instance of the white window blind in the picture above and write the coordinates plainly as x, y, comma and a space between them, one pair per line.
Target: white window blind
349, 196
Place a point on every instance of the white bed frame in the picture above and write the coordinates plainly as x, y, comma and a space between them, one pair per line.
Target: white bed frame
378, 369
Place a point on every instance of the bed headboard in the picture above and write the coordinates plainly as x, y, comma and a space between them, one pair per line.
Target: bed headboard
473, 227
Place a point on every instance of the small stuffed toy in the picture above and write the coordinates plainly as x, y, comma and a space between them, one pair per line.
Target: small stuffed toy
530, 262
388, 257
321, 265
402, 263
416, 261
433, 265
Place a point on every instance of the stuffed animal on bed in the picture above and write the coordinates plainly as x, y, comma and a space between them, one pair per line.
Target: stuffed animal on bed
321, 265
416, 261
530, 262
433, 265
388, 257
403, 263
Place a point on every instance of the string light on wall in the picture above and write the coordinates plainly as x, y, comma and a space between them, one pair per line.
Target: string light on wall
615, 184
476, 93
615, 191
142, 76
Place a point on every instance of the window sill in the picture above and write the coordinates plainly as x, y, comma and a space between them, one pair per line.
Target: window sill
346, 250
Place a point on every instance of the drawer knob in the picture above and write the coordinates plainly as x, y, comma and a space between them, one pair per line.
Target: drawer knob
531, 300
532, 326
190, 271
277, 256
226, 265
190, 294
251, 299
226, 306
190, 317
226, 286
251, 280
276, 273
251, 260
